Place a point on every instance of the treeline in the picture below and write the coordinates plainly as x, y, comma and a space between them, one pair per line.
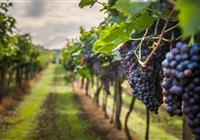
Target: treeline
20, 58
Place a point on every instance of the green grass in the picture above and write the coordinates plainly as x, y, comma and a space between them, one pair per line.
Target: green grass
68, 122
137, 124
172, 125
29, 108
162, 126
69, 113
163, 120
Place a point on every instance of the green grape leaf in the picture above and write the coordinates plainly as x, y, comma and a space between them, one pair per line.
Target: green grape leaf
129, 7
111, 38
142, 22
189, 16
84, 3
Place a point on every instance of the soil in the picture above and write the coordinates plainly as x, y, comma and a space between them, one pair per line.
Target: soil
46, 121
102, 127
47, 128
9, 103
95, 115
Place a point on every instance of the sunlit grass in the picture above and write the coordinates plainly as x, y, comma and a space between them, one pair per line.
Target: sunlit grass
68, 121
162, 126
29, 108
69, 114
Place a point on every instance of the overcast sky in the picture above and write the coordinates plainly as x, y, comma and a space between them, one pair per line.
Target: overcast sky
51, 22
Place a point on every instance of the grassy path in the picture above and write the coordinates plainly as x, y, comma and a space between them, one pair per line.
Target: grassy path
29, 108
162, 126
49, 112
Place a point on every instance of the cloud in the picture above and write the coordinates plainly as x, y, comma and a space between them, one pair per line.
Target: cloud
35, 8
51, 22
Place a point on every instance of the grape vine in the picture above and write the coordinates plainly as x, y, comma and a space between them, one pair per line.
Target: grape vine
139, 40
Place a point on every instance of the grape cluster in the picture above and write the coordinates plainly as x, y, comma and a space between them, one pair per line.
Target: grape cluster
96, 65
106, 83
111, 73
87, 53
181, 83
93, 61
145, 81
115, 71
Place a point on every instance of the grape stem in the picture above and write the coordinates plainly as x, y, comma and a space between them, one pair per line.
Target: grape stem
99, 3
143, 64
147, 37
156, 28
152, 37
140, 45
171, 28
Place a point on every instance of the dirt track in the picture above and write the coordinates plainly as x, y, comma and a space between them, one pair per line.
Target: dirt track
91, 112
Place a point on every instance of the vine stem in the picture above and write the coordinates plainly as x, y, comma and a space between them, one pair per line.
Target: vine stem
156, 28
152, 37
143, 64
147, 124
179, 37
140, 45
137, 39
171, 28
99, 3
